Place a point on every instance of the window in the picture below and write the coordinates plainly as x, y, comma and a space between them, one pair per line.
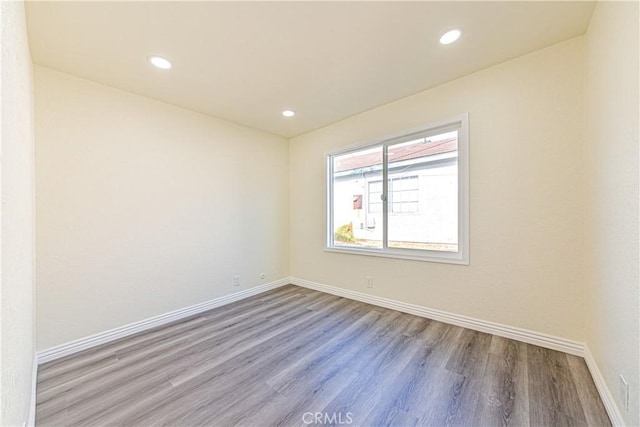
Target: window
375, 197
415, 196
403, 195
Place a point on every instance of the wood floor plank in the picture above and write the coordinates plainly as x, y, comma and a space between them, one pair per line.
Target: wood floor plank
470, 354
319, 377
259, 401
223, 362
504, 399
235, 373
317, 373
145, 363
336, 353
592, 406
289, 353
232, 347
411, 384
166, 347
552, 388
384, 415
244, 418
229, 310
469, 360
434, 407
361, 397
61, 373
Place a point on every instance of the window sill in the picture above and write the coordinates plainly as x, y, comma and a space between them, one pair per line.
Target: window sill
427, 256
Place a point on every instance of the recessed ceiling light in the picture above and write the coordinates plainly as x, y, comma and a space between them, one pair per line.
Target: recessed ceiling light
450, 36
288, 113
160, 62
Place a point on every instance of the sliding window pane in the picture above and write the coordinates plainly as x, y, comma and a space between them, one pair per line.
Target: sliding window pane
357, 203
423, 193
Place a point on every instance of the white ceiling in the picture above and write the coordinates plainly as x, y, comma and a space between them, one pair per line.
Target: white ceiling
248, 61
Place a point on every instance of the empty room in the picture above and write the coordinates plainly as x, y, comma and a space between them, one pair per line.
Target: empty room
287, 213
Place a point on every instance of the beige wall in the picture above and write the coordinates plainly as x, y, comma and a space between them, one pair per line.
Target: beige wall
17, 318
611, 198
525, 120
144, 208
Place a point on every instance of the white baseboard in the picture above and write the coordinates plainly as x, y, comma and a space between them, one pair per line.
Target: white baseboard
104, 337
31, 421
524, 335
605, 394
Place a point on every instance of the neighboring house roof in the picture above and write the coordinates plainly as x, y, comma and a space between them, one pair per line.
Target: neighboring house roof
406, 152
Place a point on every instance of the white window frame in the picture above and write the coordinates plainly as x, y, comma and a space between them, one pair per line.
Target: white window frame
460, 123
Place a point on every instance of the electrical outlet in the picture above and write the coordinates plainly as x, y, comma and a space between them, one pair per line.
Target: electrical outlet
369, 283
624, 392
236, 280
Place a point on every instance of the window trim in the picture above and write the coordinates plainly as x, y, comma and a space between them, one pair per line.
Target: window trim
461, 123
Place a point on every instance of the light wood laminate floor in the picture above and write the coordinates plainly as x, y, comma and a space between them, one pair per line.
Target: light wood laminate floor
280, 357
